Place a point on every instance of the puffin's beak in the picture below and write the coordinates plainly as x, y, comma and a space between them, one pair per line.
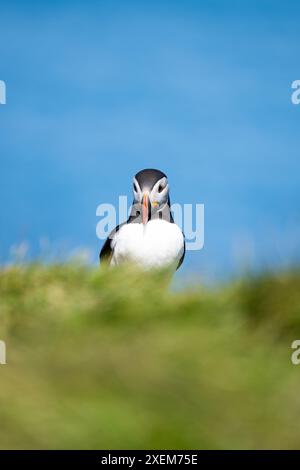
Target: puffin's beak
146, 208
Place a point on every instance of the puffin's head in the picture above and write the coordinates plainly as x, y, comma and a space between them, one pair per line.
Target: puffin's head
151, 191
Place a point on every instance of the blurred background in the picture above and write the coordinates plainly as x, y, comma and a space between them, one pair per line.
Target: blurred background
201, 90
102, 358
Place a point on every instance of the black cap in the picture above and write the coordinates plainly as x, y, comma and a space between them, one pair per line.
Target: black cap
148, 177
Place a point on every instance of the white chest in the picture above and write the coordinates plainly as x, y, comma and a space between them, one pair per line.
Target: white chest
156, 244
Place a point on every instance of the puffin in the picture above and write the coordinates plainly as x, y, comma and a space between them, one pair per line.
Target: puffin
150, 238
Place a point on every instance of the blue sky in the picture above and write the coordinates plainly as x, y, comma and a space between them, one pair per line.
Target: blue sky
201, 90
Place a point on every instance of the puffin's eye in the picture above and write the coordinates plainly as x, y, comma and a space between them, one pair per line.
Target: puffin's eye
160, 188
135, 187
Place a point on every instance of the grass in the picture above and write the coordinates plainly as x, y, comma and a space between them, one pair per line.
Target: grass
114, 359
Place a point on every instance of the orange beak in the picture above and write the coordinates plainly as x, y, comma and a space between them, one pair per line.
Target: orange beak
145, 208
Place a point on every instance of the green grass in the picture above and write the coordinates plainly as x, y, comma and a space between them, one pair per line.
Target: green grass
114, 359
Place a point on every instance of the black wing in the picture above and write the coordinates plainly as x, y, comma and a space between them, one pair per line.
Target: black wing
106, 251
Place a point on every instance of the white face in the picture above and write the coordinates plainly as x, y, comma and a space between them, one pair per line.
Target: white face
158, 195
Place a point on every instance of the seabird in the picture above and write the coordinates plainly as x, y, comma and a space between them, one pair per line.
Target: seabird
150, 237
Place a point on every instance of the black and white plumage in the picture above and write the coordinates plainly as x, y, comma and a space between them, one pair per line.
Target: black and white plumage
149, 238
